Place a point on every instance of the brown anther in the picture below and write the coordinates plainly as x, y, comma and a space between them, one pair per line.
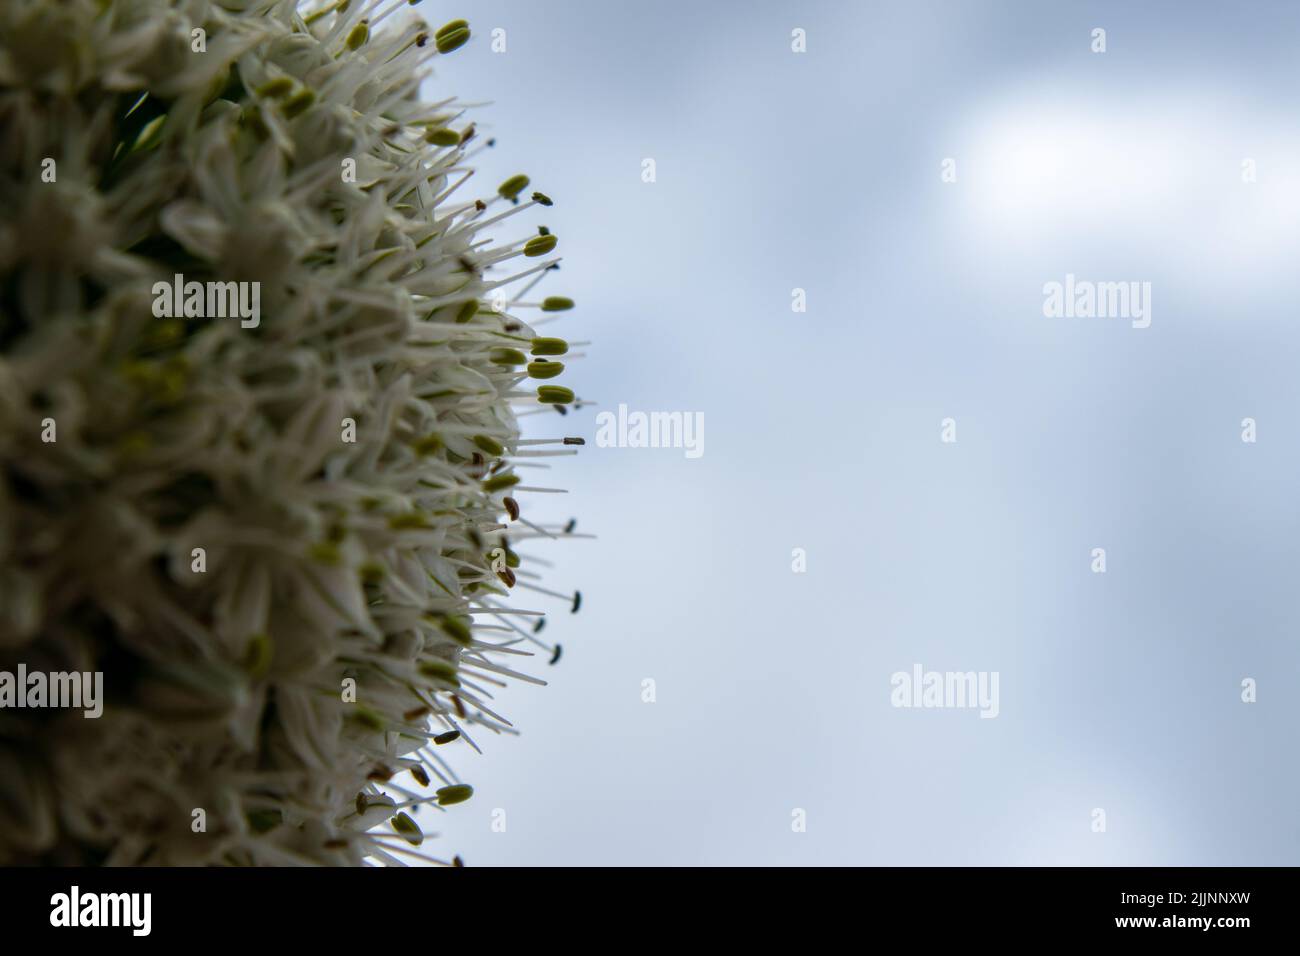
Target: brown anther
447, 737
508, 576
512, 507
460, 707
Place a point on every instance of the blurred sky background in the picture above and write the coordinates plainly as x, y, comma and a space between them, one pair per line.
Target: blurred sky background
821, 171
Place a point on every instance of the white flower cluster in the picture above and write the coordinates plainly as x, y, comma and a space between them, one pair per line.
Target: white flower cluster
287, 547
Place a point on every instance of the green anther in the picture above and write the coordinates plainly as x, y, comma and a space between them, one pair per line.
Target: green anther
440, 670
170, 385
298, 103
539, 246
428, 445
556, 303
489, 445
456, 793
367, 718
359, 35
251, 117
545, 369
326, 552
452, 36
371, 573
554, 395
407, 522
139, 373
513, 186
549, 346
498, 482
467, 312
135, 443
165, 332
408, 828
257, 659
457, 630
150, 134
542, 199
274, 89
512, 559
442, 137
263, 821
507, 357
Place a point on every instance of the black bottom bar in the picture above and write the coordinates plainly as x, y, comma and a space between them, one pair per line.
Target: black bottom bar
334, 906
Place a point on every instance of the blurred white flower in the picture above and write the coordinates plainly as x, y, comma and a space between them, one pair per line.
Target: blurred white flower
277, 543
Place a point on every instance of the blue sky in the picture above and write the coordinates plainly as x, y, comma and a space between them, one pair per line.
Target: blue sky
821, 171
